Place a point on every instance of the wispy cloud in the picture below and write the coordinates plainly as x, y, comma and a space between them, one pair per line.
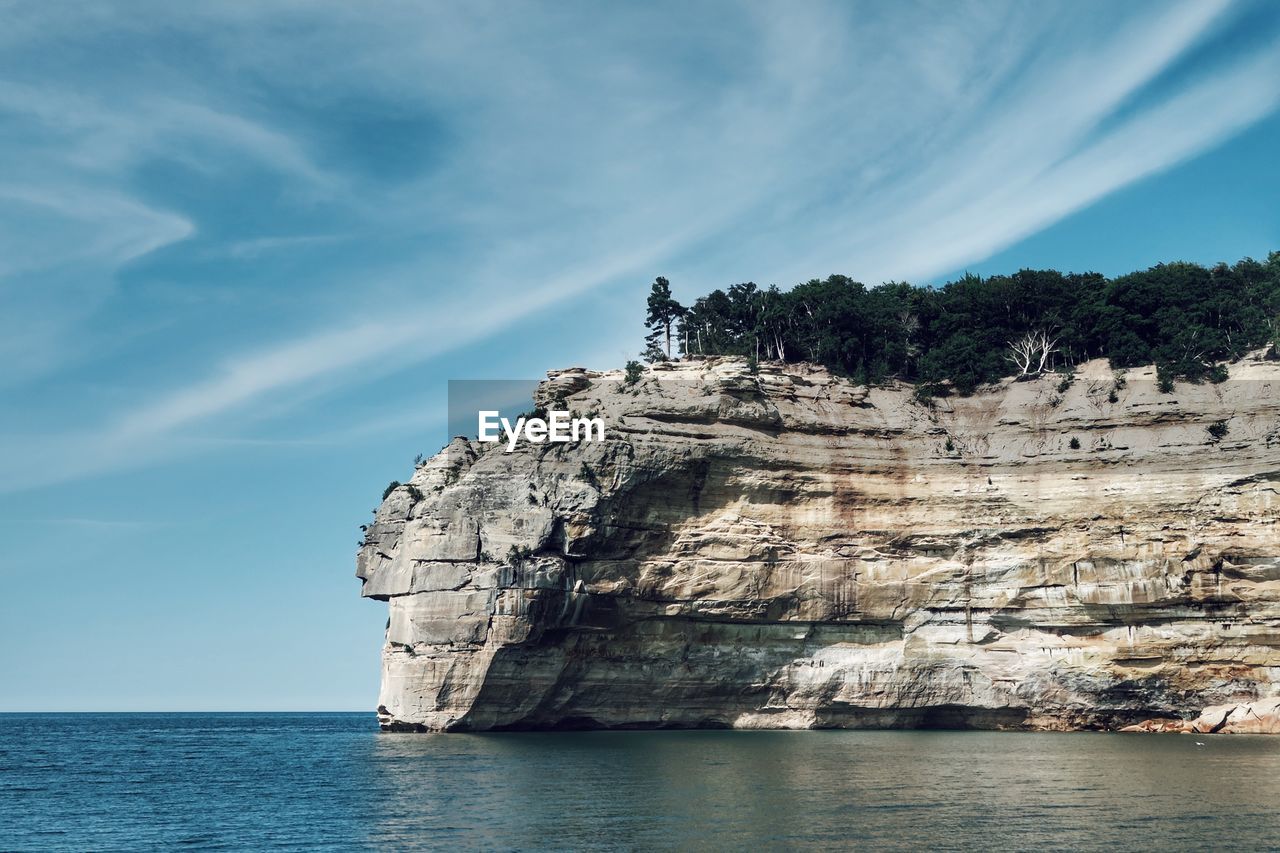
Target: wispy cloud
1041, 154
449, 170
72, 522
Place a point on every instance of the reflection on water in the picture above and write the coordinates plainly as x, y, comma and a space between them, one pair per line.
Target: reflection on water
332, 781
906, 789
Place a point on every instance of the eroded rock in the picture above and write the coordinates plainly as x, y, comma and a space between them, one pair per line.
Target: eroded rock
788, 549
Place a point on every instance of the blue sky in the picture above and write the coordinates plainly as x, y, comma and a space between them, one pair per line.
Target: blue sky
246, 246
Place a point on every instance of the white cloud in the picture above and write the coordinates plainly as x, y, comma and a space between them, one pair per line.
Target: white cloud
572, 149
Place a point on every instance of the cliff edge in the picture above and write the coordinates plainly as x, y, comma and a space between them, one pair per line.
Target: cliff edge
787, 549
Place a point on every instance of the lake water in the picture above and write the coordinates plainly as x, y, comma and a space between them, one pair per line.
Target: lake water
112, 781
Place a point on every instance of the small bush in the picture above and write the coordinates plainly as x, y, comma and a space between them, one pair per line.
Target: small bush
419, 460
950, 445
1065, 382
518, 555
635, 371
927, 392
1074, 443
1113, 397
1120, 380
1217, 374
1217, 430
391, 487
415, 494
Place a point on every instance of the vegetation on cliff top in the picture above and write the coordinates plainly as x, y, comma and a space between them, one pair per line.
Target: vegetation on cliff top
1183, 317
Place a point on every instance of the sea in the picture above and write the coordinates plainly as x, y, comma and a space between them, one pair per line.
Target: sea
335, 782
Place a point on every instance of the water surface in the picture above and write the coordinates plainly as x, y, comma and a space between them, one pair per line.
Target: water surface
329, 781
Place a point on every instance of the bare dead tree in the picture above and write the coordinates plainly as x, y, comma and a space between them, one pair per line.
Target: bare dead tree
1031, 353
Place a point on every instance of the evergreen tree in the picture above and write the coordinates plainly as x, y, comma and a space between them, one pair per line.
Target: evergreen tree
1185, 318
653, 351
664, 312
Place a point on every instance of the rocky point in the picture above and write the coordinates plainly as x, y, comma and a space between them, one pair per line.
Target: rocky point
782, 548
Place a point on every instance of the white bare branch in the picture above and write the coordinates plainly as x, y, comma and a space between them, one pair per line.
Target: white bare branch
1032, 353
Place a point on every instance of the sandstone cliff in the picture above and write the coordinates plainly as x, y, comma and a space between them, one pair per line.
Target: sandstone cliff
789, 549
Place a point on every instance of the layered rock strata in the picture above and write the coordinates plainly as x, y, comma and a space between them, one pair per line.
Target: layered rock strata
787, 549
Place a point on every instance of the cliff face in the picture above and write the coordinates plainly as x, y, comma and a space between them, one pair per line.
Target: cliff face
791, 550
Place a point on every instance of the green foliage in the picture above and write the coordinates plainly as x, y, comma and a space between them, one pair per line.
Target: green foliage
518, 554
635, 370
1183, 317
663, 314
391, 487
950, 445
419, 460
1064, 384
588, 475
1074, 443
1217, 374
1164, 381
415, 494
926, 392
536, 412
1217, 430
653, 352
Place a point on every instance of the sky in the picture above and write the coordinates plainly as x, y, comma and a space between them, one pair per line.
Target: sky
247, 245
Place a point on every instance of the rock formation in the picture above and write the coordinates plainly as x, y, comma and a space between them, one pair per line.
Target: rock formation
1256, 718
787, 549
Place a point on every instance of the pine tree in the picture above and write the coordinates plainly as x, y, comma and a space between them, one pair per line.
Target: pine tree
653, 347
661, 319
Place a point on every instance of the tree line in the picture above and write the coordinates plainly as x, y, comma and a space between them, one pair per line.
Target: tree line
1185, 318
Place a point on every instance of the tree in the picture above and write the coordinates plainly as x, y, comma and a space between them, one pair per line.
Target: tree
1030, 353
653, 351
1185, 318
664, 311
634, 372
